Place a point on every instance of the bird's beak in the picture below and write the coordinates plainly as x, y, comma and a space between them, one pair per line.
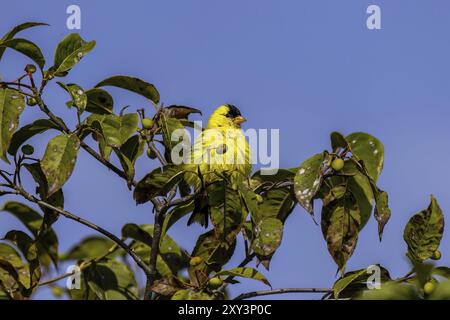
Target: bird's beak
239, 119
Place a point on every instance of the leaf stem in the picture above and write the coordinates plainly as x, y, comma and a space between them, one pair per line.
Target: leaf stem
280, 291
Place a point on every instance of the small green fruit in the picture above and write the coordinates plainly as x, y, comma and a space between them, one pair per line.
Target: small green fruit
436, 255
30, 68
195, 261
147, 123
337, 164
151, 154
31, 101
234, 186
215, 283
27, 150
429, 287
259, 199
58, 292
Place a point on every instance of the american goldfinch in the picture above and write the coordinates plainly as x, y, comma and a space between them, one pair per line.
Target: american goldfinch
220, 152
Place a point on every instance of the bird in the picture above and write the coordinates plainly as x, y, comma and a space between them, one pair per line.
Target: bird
220, 152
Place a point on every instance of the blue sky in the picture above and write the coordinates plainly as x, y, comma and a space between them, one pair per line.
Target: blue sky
305, 67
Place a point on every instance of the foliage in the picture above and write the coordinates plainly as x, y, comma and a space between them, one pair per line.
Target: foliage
344, 179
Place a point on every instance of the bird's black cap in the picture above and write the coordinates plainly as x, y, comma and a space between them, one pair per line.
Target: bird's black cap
233, 112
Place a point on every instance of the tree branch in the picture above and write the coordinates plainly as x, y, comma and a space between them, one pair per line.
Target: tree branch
88, 224
280, 291
82, 266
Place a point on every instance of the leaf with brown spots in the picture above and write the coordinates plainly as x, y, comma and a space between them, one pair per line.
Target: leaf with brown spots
424, 231
11, 106
59, 160
340, 227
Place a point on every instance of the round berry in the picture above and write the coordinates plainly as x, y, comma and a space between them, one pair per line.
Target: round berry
215, 283
436, 255
259, 199
30, 68
195, 261
429, 287
147, 123
337, 164
31, 101
27, 150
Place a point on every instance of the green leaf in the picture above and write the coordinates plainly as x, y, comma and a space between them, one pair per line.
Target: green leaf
56, 199
77, 94
245, 272
179, 112
12, 105
132, 84
128, 153
16, 30
391, 291
176, 214
89, 248
213, 250
308, 180
32, 220
354, 283
169, 126
116, 130
346, 280
27, 48
99, 101
338, 141
259, 180
186, 294
360, 187
14, 275
108, 280
340, 227
268, 235
69, 52
382, 211
28, 131
277, 203
29, 250
171, 257
157, 183
423, 232
227, 212
59, 160
368, 149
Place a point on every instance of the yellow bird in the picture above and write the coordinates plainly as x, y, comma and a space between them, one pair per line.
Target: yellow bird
220, 150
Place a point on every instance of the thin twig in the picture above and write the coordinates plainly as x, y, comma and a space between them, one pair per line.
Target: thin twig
88, 224
280, 291
82, 266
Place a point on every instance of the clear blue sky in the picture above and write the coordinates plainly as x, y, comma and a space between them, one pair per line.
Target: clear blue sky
306, 67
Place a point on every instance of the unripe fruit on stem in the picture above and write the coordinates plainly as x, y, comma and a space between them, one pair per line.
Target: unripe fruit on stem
337, 164
195, 261
30, 68
436, 255
429, 287
31, 101
57, 292
259, 199
215, 283
151, 154
27, 150
147, 123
